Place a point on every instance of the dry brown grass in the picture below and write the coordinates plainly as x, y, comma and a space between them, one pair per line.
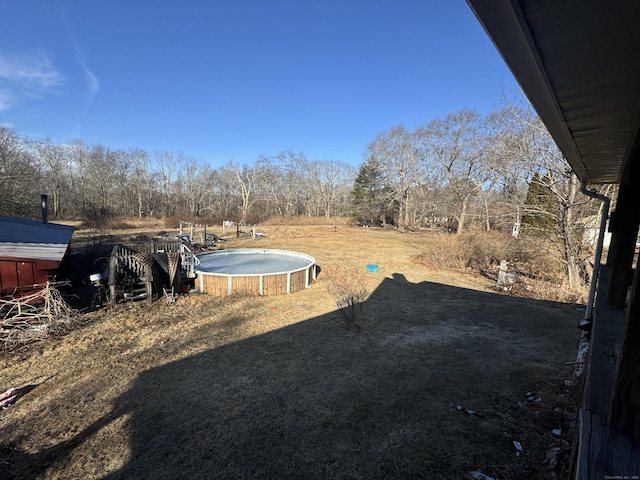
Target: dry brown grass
309, 221
277, 387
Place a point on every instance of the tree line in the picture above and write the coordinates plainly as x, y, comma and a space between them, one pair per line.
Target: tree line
496, 171
457, 169
95, 182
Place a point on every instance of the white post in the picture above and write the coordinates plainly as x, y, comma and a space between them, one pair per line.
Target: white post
502, 273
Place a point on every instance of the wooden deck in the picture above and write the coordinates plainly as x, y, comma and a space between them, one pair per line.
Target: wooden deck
136, 270
599, 452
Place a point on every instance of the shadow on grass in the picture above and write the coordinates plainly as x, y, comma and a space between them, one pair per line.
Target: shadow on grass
314, 400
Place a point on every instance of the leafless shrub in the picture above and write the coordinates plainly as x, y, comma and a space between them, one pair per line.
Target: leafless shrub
450, 252
483, 251
348, 287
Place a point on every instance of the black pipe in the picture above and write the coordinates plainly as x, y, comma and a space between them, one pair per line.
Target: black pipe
44, 207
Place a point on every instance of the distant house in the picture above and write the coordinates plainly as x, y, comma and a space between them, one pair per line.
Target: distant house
30, 253
592, 231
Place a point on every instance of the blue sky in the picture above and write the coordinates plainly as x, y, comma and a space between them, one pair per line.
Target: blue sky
232, 80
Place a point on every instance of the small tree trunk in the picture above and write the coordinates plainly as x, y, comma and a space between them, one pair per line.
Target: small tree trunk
570, 236
463, 215
405, 202
573, 273
486, 214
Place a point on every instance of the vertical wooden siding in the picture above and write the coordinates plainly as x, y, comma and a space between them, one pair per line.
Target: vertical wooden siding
250, 285
299, 280
245, 285
275, 284
216, 285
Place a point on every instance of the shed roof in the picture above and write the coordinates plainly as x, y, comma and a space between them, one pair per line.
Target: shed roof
24, 238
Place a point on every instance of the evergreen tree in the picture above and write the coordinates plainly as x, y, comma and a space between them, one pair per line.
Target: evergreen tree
370, 198
539, 206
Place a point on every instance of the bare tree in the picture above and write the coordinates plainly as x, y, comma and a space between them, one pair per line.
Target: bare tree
247, 179
293, 167
79, 158
455, 142
331, 183
569, 206
273, 189
167, 166
504, 190
55, 161
284, 178
399, 158
101, 170
194, 189
19, 175
142, 183
229, 197
121, 197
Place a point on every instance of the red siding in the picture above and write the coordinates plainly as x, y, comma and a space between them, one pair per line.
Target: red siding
8, 274
23, 274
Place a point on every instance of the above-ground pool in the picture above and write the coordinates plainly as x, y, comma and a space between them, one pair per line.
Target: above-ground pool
254, 271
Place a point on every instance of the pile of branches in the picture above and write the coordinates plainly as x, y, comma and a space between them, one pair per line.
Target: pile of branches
34, 317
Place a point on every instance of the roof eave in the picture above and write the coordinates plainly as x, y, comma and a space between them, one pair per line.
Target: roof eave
504, 23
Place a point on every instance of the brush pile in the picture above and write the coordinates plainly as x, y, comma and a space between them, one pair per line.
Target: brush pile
33, 317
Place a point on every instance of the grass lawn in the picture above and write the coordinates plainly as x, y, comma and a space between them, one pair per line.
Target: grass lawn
280, 387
